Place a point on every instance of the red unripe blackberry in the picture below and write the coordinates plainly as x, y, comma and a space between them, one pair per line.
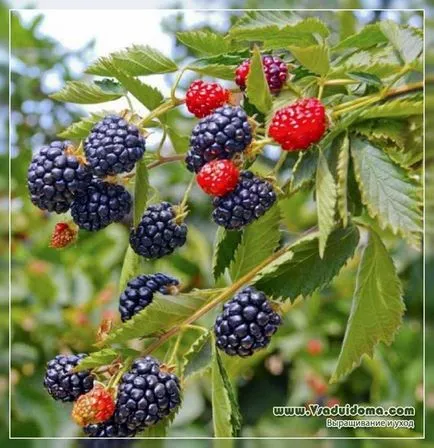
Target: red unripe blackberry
63, 235
202, 98
275, 69
218, 177
314, 347
298, 125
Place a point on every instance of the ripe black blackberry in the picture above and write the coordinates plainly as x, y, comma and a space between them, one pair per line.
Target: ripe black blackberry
251, 198
146, 395
218, 136
113, 146
246, 323
102, 204
140, 291
158, 234
108, 429
63, 384
55, 175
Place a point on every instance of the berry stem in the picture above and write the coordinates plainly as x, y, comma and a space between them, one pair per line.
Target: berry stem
175, 85
182, 205
175, 348
130, 103
160, 110
280, 162
168, 159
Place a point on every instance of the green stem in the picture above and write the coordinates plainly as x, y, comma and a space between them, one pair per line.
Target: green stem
168, 159
175, 348
357, 105
280, 162
175, 85
114, 380
340, 82
130, 104
187, 193
163, 139
160, 110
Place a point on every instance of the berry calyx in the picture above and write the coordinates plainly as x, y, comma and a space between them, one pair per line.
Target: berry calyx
218, 177
275, 69
63, 235
298, 125
202, 98
96, 406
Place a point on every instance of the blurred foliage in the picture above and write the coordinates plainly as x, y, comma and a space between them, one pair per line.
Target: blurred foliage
60, 297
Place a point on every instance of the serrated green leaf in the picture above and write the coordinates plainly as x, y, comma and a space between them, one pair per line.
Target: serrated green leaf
138, 60
131, 267
367, 78
347, 24
180, 142
163, 313
197, 360
367, 37
394, 109
226, 415
83, 93
204, 42
260, 239
97, 359
386, 131
301, 271
377, 309
407, 41
387, 192
110, 85
304, 169
342, 175
141, 190
326, 201
225, 246
81, 129
315, 58
257, 89
215, 70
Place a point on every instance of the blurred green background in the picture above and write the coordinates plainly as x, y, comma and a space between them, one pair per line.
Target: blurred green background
60, 297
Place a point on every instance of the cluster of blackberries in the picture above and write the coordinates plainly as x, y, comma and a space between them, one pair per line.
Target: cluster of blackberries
59, 178
146, 394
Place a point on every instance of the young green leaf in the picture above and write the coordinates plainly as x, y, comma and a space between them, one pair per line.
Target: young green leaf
387, 192
342, 175
260, 239
315, 58
301, 271
163, 313
366, 78
216, 70
97, 359
326, 201
204, 42
180, 142
197, 360
394, 109
226, 244
81, 129
83, 93
377, 309
257, 90
138, 60
367, 37
226, 415
141, 190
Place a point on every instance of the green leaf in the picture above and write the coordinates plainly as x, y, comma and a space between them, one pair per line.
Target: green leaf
257, 90
138, 60
83, 93
326, 201
197, 360
369, 36
163, 313
383, 131
226, 244
97, 359
366, 78
131, 267
180, 142
394, 109
304, 169
110, 85
301, 271
226, 415
315, 58
203, 41
342, 175
377, 309
407, 41
81, 129
215, 70
260, 239
387, 192
141, 190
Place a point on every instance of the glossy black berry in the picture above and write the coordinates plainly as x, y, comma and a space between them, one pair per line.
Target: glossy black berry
246, 323
140, 291
251, 198
55, 175
108, 429
158, 234
102, 204
113, 146
218, 136
146, 395
62, 383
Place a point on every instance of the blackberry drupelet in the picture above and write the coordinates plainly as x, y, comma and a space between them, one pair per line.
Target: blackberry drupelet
158, 233
202, 98
140, 291
218, 136
55, 175
246, 323
63, 384
251, 198
146, 395
113, 146
109, 429
102, 204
